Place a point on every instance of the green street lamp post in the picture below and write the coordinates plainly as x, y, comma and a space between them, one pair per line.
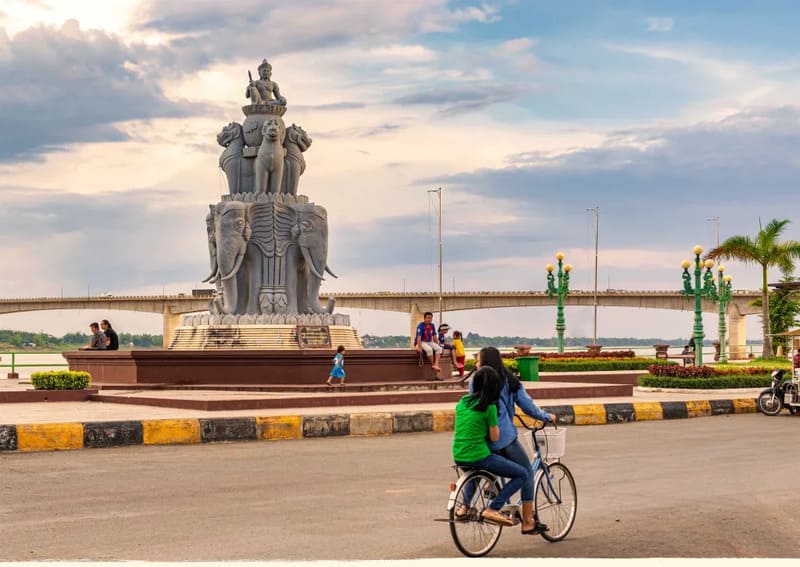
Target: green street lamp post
560, 291
703, 286
723, 296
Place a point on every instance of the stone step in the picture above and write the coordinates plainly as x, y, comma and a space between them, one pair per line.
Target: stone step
334, 397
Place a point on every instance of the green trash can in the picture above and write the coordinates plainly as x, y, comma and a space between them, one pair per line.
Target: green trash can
528, 367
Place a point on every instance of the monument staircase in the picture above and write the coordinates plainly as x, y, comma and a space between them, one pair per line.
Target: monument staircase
254, 337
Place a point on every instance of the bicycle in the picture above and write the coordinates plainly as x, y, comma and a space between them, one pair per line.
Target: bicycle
555, 498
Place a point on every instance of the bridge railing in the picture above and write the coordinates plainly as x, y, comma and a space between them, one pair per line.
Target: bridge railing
14, 365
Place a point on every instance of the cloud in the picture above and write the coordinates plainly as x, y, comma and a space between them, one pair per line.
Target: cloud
659, 24
65, 85
458, 99
520, 53
117, 240
200, 31
656, 186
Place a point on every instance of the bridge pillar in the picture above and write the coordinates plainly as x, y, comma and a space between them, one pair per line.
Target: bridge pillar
171, 322
737, 333
416, 319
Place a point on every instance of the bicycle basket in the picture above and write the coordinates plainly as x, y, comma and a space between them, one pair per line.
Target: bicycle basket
552, 442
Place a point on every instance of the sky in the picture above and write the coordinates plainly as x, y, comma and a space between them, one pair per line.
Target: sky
526, 113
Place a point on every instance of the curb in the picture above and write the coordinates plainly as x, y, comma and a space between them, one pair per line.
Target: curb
96, 435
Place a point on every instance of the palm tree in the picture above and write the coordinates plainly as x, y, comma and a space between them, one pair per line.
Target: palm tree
767, 251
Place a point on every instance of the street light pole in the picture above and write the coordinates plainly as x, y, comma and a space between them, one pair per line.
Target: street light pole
439, 191
560, 292
596, 242
716, 220
703, 285
724, 298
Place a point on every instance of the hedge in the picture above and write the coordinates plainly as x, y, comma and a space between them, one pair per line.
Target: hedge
61, 380
590, 365
712, 383
595, 365
577, 354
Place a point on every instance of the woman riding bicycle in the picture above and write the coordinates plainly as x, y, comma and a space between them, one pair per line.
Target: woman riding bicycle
475, 420
512, 394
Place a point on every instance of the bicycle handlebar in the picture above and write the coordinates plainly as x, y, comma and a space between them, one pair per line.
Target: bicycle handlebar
535, 427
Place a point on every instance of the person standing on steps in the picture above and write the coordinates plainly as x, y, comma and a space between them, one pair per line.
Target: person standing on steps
427, 340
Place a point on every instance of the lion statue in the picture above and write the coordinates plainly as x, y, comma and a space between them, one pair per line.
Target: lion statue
297, 141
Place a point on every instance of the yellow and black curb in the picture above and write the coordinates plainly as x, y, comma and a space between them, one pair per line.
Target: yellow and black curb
95, 435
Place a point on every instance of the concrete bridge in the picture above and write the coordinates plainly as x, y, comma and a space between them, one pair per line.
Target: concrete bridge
171, 307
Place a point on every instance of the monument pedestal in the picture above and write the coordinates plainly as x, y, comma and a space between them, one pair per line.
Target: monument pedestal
242, 367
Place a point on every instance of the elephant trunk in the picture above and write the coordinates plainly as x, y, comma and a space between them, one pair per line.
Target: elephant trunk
230, 296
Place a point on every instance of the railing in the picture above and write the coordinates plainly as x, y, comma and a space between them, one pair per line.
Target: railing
14, 365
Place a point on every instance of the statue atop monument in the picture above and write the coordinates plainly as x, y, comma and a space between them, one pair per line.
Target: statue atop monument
261, 91
268, 245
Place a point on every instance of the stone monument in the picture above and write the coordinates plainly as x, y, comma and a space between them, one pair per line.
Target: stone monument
267, 244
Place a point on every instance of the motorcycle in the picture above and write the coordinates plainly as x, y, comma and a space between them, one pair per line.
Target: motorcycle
781, 394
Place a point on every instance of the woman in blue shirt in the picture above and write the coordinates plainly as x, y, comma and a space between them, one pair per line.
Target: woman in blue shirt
513, 394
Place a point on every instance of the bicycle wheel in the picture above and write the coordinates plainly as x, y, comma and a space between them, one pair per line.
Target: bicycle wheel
473, 536
556, 502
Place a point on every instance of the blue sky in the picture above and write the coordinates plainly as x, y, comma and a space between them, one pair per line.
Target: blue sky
527, 113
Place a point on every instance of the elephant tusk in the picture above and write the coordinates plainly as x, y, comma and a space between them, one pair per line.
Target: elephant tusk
311, 266
327, 269
212, 277
236, 265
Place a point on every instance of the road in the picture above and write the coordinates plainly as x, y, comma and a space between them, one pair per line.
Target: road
707, 487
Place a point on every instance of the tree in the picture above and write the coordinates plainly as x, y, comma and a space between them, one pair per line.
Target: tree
767, 251
784, 308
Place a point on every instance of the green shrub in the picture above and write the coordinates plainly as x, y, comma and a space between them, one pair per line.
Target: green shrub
712, 383
595, 365
61, 380
582, 365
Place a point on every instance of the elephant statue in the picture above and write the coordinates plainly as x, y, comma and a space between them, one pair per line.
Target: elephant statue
238, 170
310, 240
234, 255
215, 305
268, 256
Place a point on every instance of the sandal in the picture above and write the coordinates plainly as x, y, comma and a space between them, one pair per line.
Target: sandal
496, 517
536, 530
462, 513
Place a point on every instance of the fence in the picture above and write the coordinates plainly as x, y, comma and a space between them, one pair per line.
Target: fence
14, 365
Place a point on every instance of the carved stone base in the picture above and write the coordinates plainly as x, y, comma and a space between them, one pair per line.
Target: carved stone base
257, 337
204, 319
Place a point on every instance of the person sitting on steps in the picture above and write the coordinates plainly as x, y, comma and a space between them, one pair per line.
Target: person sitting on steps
426, 340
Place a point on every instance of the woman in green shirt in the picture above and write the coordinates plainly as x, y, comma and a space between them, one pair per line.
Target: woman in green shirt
475, 426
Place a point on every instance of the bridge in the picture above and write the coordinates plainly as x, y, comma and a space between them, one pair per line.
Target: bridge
171, 307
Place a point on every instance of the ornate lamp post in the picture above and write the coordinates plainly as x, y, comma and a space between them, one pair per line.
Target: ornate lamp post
560, 291
723, 296
703, 285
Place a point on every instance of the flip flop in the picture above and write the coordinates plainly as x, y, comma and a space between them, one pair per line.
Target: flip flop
536, 530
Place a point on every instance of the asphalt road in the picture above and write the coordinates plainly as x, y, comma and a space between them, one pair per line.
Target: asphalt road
706, 487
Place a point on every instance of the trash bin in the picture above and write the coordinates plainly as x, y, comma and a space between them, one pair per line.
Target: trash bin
528, 367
